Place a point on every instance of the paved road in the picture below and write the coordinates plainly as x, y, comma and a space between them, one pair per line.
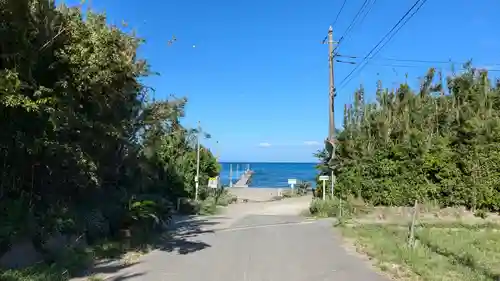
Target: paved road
260, 245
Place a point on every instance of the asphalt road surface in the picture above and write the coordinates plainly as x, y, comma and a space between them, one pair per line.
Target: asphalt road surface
256, 245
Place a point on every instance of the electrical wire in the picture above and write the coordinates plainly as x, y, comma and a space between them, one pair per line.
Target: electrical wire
351, 25
372, 4
349, 77
359, 22
397, 30
403, 60
338, 14
335, 21
415, 60
417, 66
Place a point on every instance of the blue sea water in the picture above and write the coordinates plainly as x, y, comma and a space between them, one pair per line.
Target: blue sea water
270, 174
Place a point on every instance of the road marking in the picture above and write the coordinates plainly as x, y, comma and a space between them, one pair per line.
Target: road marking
262, 226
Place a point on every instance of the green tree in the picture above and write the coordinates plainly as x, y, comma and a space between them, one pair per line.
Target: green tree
82, 149
426, 144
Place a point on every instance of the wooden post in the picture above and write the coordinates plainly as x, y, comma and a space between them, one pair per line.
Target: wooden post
411, 240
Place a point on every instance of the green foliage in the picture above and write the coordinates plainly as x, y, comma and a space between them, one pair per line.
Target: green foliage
66, 263
333, 207
425, 144
325, 208
83, 150
208, 206
223, 197
303, 187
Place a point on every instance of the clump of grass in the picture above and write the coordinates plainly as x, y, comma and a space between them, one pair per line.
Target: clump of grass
441, 254
333, 207
208, 207
64, 265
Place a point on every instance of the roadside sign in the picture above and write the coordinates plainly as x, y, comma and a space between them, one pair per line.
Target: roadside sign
324, 178
292, 183
213, 182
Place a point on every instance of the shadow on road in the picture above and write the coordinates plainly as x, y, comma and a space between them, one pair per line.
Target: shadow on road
181, 237
182, 234
123, 277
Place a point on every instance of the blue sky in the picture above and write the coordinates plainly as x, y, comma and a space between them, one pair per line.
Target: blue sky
256, 75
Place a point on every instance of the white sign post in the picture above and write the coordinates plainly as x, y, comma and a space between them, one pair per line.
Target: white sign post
333, 183
324, 179
213, 182
292, 183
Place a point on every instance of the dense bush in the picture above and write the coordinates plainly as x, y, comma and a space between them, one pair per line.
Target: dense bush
334, 207
303, 188
426, 144
82, 147
223, 197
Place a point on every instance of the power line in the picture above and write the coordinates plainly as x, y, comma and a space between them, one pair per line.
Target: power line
369, 10
351, 25
359, 66
335, 21
397, 30
338, 14
417, 66
402, 60
361, 20
349, 77
449, 61
420, 61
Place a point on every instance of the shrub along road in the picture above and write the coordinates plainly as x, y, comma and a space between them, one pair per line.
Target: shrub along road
254, 241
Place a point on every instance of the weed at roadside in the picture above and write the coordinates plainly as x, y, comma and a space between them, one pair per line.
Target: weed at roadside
334, 207
441, 254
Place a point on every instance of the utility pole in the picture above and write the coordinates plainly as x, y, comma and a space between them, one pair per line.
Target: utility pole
197, 178
331, 111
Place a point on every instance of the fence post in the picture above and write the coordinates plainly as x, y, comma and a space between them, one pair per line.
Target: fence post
411, 240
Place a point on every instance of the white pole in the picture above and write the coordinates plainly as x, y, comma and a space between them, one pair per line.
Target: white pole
230, 175
324, 191
197, 178
219, 184
332, 179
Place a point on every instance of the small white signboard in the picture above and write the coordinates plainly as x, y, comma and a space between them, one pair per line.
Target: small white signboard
213, 182
292, 183
324, 178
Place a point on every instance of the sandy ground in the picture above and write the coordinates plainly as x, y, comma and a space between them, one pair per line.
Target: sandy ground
256, 194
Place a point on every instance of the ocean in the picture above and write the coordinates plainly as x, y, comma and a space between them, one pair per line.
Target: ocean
270, 174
